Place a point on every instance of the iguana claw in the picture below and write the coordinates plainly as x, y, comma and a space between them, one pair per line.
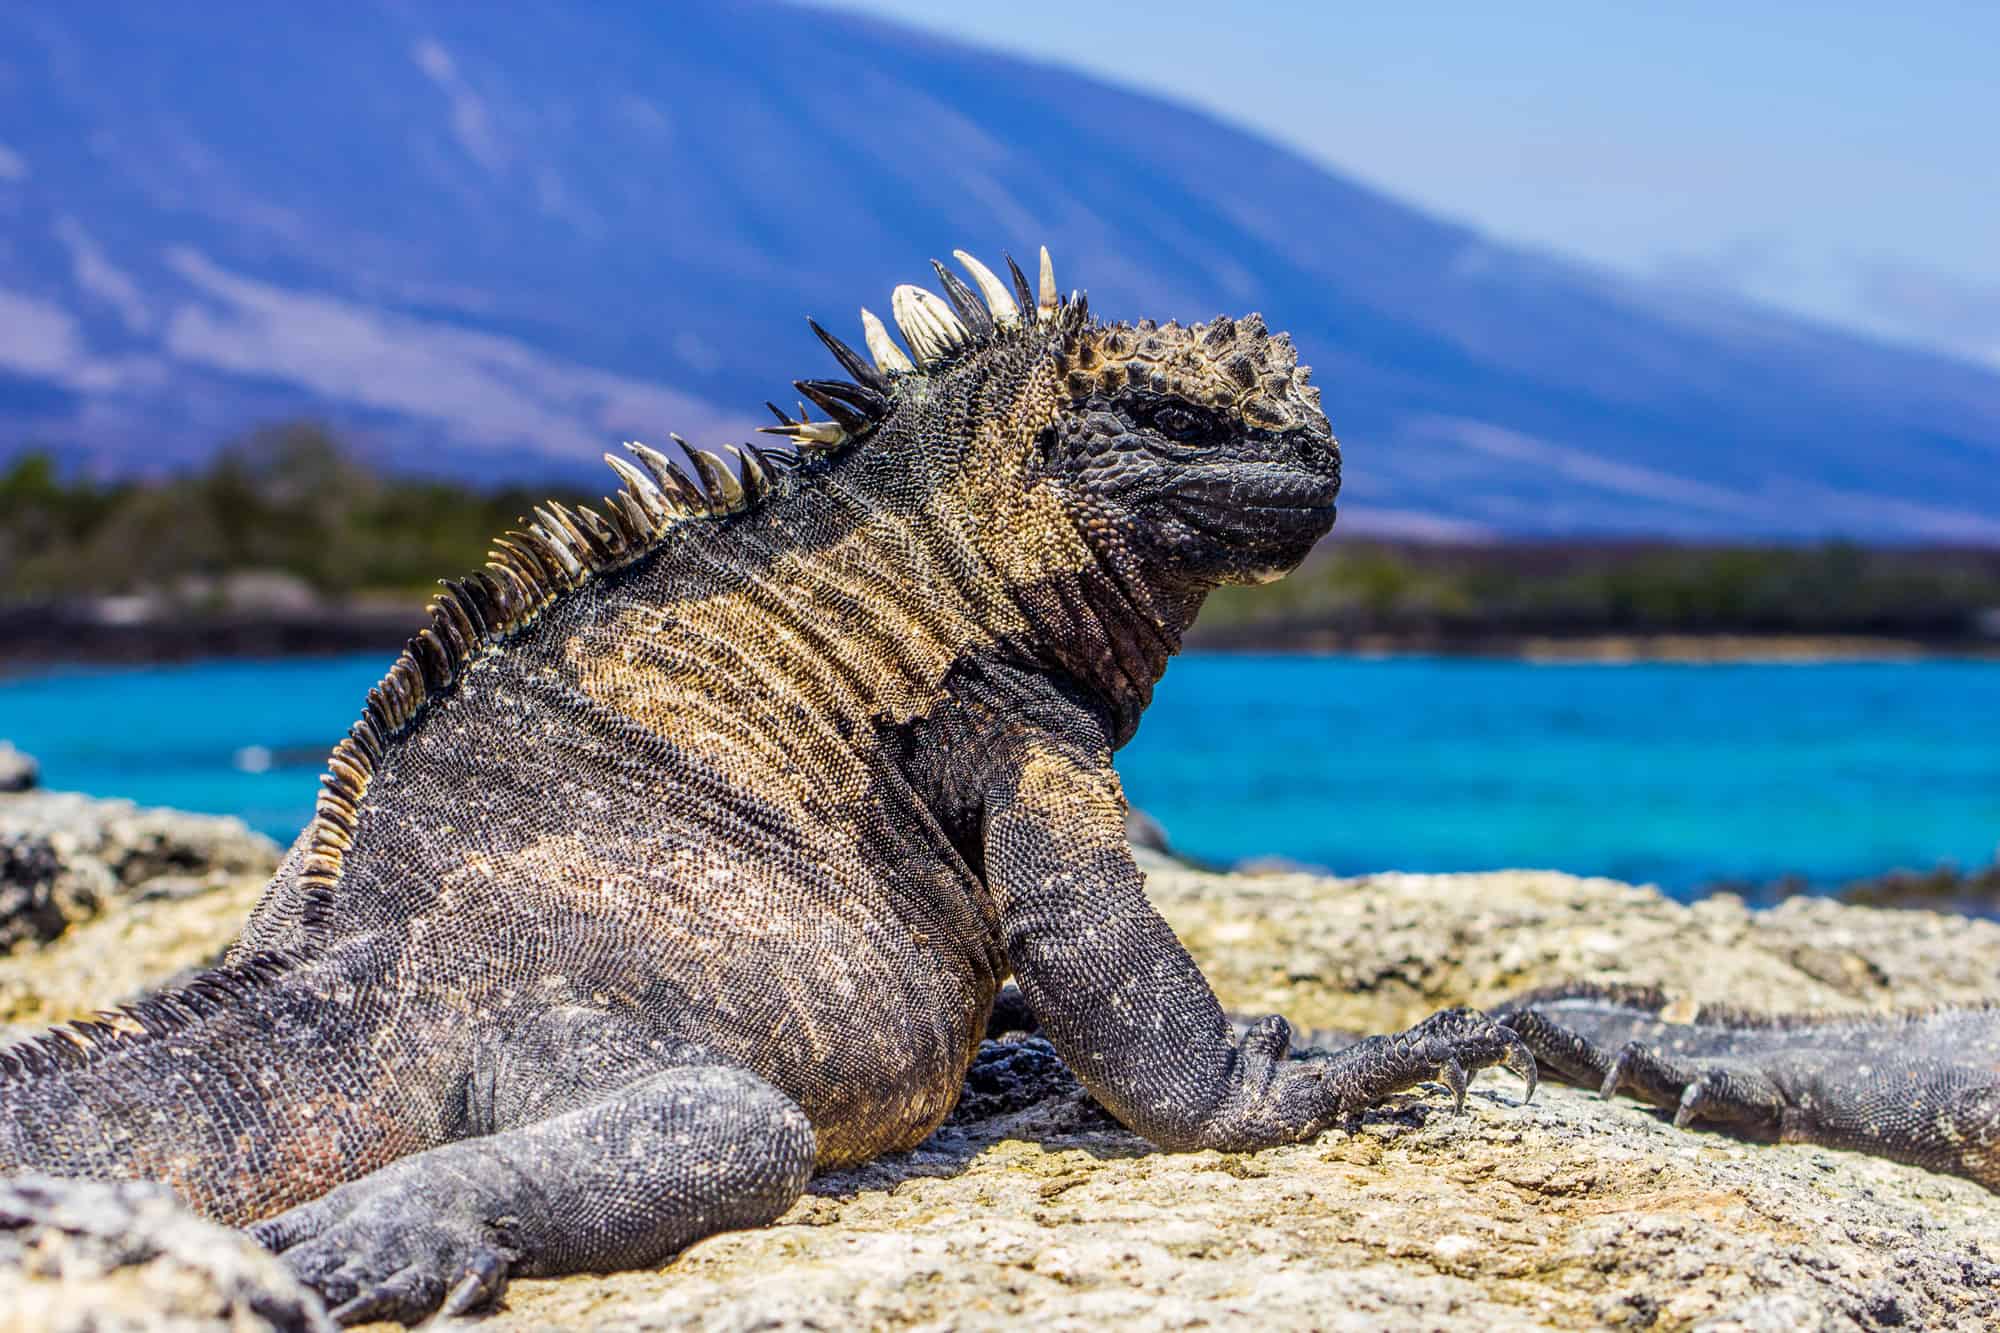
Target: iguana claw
485, 1277
395, 1245
1450, 1046
1452, 1074
1520, 1061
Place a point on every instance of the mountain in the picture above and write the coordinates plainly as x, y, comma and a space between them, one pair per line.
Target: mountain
495, 240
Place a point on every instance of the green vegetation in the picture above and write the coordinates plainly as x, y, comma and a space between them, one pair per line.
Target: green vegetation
291, 499
288, 498
1358, 588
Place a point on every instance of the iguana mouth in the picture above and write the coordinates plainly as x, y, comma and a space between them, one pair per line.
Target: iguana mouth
1281, 501
1257, 488
1324, 505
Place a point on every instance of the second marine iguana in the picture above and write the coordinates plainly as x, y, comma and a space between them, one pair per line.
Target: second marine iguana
685, 849
1921, 1086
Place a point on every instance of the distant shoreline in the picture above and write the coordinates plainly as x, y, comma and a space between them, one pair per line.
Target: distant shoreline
37, 637
34, 637
1604, 647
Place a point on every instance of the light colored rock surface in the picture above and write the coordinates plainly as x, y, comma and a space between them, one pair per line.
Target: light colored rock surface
180, 884
1564, 1214
1033, 1207
18, 771
77, 1256
113, 849
1384, 951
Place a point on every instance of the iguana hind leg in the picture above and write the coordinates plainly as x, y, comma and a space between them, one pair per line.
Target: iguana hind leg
1918, 1087
631, 1172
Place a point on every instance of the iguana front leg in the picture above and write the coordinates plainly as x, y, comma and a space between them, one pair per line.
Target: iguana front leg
603, 1150
1129, 1010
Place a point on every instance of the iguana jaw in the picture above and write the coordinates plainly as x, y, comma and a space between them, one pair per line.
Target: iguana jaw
1298, 527
1286, 534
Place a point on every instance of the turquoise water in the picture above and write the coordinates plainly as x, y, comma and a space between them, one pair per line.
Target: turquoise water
1679, 775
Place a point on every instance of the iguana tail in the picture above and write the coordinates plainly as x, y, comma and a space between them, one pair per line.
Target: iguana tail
249, 1089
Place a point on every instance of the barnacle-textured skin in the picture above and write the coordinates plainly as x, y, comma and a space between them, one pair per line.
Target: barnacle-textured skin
1921, 1086
686, 847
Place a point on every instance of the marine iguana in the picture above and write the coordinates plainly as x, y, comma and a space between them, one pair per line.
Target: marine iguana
684, 850
1921, 1086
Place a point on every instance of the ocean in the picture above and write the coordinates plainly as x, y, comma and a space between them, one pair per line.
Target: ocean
1677, 775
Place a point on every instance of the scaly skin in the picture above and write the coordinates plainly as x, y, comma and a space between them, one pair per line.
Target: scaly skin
1921, 1086
686, 849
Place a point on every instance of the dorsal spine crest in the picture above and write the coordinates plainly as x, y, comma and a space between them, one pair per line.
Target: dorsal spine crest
560, 549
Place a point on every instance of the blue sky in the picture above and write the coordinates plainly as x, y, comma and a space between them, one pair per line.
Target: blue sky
1834, 159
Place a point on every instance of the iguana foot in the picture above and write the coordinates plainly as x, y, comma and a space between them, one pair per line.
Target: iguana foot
1287, 1100
623, 1182
1714, 1090
419, 1235
1449, 1046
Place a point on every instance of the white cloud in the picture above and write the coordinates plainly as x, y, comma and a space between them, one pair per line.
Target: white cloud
697, 352
1743, 266
13, 167
470, 123
644, 116
1862, 511
1409, 524
1950, 311
100, 278
486, 390
1781, 503
555, 199
40, 339
1592, 470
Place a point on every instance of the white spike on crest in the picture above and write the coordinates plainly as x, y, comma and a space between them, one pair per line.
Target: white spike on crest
724, 491
810, 434
563, 543
662, 469
700, 498
888, 357
1045, 306
641, 488
999, 300
930, 327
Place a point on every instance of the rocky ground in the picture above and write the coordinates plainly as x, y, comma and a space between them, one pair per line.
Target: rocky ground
1031, 1206
101, 901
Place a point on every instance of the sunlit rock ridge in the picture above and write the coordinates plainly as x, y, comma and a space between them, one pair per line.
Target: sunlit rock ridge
489, 241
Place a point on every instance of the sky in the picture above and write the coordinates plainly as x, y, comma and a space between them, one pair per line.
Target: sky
1834, 159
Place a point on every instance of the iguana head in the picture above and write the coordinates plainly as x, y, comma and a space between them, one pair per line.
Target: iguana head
1201, 448
1175, 457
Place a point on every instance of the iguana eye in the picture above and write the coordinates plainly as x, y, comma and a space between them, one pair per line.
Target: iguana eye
1179, 423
